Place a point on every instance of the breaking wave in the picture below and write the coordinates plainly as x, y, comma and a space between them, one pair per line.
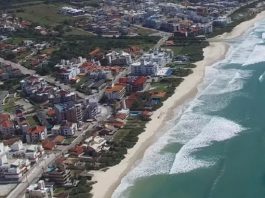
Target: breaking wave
194, 130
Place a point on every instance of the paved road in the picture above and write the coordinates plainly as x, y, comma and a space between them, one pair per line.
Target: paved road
36, 171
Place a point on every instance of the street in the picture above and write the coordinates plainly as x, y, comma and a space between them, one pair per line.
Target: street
38, 168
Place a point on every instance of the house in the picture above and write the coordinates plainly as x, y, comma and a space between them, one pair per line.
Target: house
96, 143
34, 152
115, 92
69, 73
68, 128
12, 169
133, 83
77, 150
7, 127
65, 129
36, 134
157, 97
69, 69
58, 175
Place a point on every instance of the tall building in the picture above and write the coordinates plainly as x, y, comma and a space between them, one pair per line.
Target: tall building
68, 111
144, 68
119, 58
57, 175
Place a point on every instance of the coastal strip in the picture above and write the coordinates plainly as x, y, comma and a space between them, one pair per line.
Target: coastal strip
107, 182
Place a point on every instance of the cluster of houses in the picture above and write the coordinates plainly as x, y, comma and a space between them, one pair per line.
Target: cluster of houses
116, 18
8, 72
63, 105
9, 23
16, 159
31, 54
72, 71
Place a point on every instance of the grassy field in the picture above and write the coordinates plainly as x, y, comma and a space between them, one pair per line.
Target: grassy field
77, 32
159, 86
131, 125
43, 14
144, 31
176, 49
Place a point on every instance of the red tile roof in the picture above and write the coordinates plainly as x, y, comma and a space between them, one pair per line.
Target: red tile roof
7, 124
48, 145
37, 129
117, 124
4, 117
115, 88
131, 99
139, 80
77, 150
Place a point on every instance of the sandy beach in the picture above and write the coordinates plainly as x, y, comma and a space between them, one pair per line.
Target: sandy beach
109, 180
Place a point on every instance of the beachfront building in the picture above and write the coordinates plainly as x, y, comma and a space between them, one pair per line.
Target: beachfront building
151, 63
39, 190
144, 68
134, 83
58, 175
95, 143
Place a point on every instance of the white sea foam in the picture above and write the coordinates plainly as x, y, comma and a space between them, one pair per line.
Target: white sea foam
222, 81
217, 130
195, 130
261, 77
242, 50
153, 163
257, 55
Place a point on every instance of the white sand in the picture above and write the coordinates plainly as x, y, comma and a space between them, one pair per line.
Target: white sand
109, 180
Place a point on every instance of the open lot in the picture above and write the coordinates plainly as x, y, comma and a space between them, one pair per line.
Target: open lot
43, 14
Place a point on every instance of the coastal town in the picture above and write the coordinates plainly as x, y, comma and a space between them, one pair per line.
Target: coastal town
79, 84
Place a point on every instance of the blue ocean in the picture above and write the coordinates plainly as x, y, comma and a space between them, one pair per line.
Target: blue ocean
214, 148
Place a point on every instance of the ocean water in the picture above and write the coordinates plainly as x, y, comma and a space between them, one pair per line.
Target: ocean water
216, 147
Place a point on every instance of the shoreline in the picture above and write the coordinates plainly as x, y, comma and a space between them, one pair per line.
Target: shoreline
108, 181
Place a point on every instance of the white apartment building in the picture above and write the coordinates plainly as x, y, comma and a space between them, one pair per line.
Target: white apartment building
119, 58
151, 63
